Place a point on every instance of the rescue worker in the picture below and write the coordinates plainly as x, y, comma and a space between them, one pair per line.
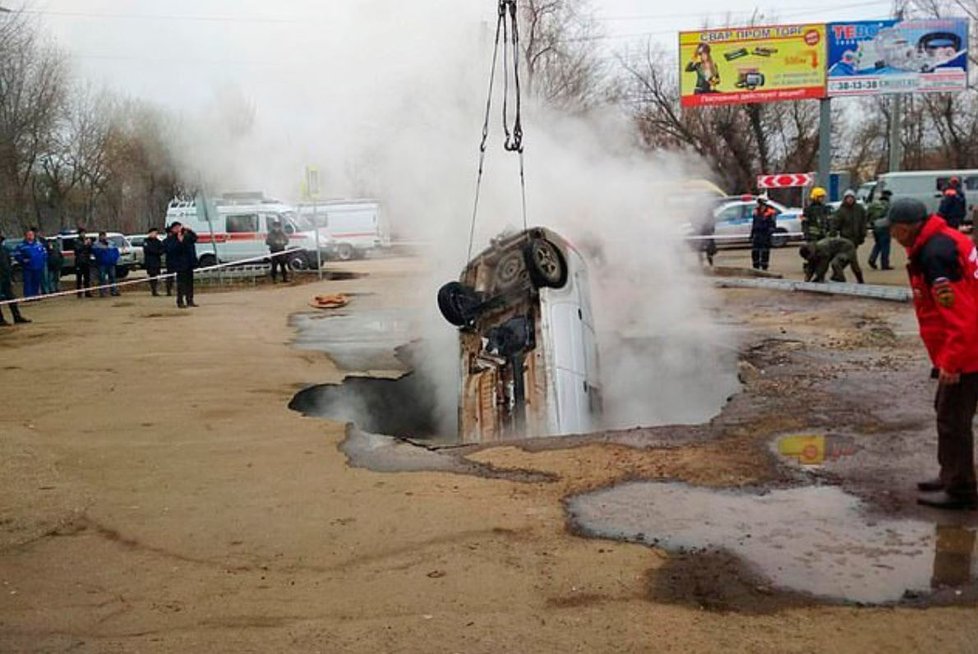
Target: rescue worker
762, 233
106, 257
181, 256
33, 262
881, 233
849, 222
6, 287
835, 252
815, 217
954, 205
170, 270
943, 268
153, 259
277, 241
83, 263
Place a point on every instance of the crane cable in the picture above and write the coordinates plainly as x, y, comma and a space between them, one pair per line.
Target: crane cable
507, 34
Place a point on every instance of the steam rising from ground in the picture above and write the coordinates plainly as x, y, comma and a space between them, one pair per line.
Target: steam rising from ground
390, 105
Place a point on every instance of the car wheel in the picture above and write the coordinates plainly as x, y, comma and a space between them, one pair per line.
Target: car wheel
546, 264
509, 271
458, 303
298, 261
780, 237
345, 252
121, 272
206, 261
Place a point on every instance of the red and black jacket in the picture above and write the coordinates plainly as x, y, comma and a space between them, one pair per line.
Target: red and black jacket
943, 267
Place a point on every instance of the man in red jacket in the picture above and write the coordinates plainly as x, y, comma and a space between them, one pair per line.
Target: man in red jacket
943, 267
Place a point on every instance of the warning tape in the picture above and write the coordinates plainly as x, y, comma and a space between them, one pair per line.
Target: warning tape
741, 237
133, 282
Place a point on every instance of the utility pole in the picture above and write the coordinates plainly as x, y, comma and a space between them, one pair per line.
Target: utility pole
896, 133
824, 142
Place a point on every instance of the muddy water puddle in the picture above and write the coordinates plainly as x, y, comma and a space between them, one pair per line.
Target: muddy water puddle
813, 541
358, 342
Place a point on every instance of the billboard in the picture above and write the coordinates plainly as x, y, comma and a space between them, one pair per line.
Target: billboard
752, 64
893, 56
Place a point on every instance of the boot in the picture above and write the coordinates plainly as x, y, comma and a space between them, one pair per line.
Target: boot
859, 278
930, 486
950, 501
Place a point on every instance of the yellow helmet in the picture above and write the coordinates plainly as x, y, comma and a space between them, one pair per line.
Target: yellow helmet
818, 192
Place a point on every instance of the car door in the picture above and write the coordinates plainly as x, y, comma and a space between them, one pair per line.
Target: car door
733, 220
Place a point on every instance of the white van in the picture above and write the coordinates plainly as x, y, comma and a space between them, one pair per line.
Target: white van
928, 186
355, 226
529, 357
231, 230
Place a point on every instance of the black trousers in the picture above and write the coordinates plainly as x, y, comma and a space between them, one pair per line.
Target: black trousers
955, 405
279, 262
760, 257
185, 287
169, 281
154, 284
7, 293
83, 279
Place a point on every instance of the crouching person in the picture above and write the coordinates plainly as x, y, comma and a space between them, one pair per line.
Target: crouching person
834, 252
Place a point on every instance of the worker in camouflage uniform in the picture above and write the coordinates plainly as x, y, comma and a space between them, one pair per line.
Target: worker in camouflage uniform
835, 252
881, 234
815, 217
849, 222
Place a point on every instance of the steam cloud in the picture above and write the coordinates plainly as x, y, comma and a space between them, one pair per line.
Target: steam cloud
389, 104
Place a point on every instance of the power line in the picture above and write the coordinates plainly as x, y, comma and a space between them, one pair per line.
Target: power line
798, 11
168, 17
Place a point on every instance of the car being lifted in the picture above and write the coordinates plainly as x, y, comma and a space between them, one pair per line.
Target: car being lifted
529, 359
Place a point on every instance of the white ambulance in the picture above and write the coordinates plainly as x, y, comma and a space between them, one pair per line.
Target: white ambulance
234, 229
354, 226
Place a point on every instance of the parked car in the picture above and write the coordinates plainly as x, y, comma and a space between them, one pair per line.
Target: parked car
354, 227
138, 258
127, 255
733, 219
928, 186
529, 359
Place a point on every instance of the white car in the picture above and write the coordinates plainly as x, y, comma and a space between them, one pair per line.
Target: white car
733, 219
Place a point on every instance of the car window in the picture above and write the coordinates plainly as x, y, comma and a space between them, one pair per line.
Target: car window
241, 223
971, 183
733, 212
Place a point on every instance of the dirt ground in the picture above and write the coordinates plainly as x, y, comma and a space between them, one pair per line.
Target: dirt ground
159, 495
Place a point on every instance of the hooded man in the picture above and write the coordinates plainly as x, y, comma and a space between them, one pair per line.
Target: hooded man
849, 222
6, 287
943, 269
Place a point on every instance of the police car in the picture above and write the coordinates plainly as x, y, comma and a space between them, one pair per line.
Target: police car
733, 217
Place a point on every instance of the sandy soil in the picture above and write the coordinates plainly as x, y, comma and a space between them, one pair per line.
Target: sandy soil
159, 496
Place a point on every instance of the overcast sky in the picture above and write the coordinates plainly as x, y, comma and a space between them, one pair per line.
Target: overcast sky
188, 46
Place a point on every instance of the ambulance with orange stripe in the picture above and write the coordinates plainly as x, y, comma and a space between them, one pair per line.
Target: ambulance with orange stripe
234, 228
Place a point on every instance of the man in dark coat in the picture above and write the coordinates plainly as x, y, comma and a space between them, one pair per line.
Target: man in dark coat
954, 204
83, 264
881, 233
762, 234
153, 259
815, 217
277, 242
181, 257
6, 287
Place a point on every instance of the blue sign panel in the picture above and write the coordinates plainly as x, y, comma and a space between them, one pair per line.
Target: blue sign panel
891, 56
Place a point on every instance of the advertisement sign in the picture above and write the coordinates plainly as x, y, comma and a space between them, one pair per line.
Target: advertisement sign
752, 64
891, 56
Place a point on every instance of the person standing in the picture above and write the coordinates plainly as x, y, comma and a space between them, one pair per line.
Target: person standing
153, 259
46, 273
56, 261
6, 287
849, 222
943, 269
181, 255
83, 263
106, 257
33, 262
277, 241
881, 234
815, 217
762, 234
954, 204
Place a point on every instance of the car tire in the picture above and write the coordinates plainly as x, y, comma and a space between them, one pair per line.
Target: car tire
345, 252
298, 261
458, 303
546, 264
121, 272
206, 261
780, 237
509, 271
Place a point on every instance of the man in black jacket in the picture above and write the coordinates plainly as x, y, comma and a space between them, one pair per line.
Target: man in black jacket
153, 259
181, 257
6, 288
83, 263
277, 241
